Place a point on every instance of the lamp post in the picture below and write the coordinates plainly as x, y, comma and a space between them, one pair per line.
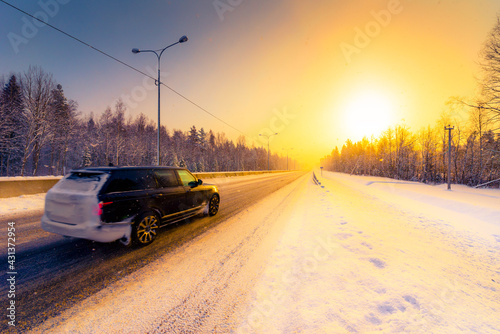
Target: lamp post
260, 134
158, 54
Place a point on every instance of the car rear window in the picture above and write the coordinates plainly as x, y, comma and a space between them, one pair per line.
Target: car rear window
130, 180
82, 181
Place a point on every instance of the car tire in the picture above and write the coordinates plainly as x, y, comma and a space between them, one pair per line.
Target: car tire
213, 205
145, 229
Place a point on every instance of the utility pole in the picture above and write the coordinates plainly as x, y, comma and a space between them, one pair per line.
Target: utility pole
449, 128
268, 137
287, 150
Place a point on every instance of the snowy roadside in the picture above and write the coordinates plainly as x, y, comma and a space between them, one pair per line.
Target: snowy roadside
21, 204
351, 262
463, 209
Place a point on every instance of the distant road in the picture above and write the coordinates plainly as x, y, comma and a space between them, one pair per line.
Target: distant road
55, 273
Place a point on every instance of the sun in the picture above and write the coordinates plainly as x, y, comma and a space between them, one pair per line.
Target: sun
367, 114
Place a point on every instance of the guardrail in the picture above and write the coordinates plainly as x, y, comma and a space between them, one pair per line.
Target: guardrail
17, 186
316, 181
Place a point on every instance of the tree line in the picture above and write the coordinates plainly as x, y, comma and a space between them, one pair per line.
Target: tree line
422, 156
43, 133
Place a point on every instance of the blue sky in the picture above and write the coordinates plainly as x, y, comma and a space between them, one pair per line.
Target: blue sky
112, 26
259, 65
116, 27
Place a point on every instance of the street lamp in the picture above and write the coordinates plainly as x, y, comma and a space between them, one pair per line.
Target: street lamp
260, 134
158, 54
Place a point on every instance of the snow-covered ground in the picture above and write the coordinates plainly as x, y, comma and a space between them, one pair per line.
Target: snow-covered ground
466, 209
20, 204
354, 255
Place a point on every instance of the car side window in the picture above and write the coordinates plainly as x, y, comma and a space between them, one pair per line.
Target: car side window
131, 180
186, 177
167, 178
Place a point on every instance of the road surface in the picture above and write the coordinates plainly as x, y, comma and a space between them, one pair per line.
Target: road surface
55, 273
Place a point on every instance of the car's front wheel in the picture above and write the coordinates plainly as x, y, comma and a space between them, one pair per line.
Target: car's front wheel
213, 205
145, 229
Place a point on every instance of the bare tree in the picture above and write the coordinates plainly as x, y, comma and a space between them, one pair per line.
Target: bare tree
119, 132
428, 149
37, 86
491, 73
105, 135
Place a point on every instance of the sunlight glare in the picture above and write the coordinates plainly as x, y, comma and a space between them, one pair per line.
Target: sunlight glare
367, 114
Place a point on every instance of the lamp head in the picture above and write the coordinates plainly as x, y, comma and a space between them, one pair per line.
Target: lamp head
134, 50
183, 39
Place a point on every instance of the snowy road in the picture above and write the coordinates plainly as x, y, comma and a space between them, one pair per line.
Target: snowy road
357, 255
55, 273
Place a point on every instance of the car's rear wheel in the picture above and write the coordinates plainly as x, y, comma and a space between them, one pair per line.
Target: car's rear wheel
213, 205
145, 229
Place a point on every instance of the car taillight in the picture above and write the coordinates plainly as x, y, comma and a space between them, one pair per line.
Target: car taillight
101, 206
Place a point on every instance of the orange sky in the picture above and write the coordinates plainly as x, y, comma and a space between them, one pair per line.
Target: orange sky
270, 66
426, 52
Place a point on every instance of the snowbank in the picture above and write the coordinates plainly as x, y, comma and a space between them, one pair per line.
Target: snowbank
21, 204
467, 209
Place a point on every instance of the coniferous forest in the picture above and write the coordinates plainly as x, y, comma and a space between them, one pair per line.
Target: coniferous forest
43, 133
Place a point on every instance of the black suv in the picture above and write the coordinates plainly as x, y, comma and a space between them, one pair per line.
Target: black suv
129, 204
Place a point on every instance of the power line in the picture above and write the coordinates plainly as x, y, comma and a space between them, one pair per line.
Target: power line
125, 64
77, 39
200, 107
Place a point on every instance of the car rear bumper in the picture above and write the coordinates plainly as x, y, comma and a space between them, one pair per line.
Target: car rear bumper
100, 233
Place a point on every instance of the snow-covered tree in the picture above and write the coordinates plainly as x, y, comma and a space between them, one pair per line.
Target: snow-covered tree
62, 122
491, 71
12, 127
37, 86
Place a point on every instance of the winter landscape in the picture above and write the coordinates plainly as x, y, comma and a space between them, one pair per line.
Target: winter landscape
234, 166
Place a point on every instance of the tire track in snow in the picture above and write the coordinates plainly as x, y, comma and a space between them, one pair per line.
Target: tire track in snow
192, 313
196, 289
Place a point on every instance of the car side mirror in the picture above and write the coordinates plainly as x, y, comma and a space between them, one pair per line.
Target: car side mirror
194, 184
